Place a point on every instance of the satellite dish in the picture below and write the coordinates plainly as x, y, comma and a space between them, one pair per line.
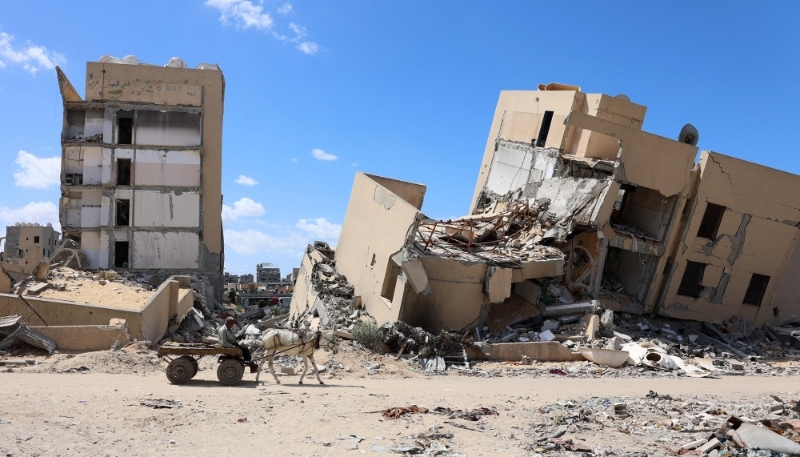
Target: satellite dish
689, 135
623, 97
176, 62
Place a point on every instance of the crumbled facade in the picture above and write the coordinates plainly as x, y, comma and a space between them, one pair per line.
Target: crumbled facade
574, 197
141, 168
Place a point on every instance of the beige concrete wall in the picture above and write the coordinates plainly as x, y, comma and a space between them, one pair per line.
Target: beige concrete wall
166, 168
153, 208
66, 313
172, 250
758, 234
149, 323
5, 282
455, 299
364, 251
85, 338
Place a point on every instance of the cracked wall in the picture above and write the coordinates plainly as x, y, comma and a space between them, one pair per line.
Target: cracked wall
752, 237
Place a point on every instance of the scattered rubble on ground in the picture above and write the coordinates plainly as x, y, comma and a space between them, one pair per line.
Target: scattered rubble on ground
701, 425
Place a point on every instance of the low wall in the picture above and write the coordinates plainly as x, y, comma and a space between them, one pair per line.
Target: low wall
170, 302
85, 338
549, 351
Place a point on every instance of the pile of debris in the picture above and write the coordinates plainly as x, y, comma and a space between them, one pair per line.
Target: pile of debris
696, 426
504, 238
330, 301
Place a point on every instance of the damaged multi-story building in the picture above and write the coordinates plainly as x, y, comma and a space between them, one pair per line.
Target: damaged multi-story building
142, 165
574, 202
26, 244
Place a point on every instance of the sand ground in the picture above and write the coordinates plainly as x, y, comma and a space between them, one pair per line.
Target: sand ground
100, 414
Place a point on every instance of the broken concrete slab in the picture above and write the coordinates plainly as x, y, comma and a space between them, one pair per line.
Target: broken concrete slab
571, 308
38, 288
415, 273
592, 327
498, 284
513, 352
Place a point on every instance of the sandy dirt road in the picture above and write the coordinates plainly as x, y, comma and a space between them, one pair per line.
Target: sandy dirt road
101, 415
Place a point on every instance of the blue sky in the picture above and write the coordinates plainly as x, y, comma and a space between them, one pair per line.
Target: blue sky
401, 89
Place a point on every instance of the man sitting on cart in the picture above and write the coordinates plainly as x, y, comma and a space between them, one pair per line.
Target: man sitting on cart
228, 340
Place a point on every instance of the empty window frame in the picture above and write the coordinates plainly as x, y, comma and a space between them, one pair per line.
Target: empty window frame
390, 280
36, 239
125, 128
544, 129
755, 290
692, 281
123, 213
123, 172
121, 254
711, 220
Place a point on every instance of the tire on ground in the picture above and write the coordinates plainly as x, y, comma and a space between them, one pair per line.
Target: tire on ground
180, 370
230, 372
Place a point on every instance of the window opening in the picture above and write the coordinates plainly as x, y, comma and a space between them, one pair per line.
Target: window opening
123, 213
544, 129
755, 290
125, 126
123, 172
711, 220
390, 280
121, 254
692, 281
36, 239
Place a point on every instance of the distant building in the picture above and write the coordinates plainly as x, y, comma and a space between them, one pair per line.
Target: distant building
141, 167
27, 244
229, 278
266, 273
246, 279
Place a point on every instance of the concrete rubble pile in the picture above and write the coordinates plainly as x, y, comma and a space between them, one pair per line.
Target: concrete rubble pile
504, 238
330, 301
667, 425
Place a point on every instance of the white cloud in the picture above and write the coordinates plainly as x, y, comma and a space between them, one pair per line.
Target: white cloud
244, 207
36, 172
320, 228
41, 212
294, 159
31, 57
283, 241
246, 181
285, 9
242, 13
299, 30
319, 154
308, 47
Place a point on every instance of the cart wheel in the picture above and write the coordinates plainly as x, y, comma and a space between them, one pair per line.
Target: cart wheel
195, 367
230, 372
180, 370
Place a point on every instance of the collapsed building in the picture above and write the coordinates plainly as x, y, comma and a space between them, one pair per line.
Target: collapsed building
575, 205
141, 167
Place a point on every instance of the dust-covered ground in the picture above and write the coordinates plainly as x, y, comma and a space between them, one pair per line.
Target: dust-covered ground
115, 403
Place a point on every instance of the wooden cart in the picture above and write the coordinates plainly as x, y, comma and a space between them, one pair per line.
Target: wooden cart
184, 367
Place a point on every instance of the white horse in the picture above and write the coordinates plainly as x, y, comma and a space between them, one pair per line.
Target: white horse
291, 342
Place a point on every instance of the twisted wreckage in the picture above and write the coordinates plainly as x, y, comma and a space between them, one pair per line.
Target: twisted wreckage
576, 210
